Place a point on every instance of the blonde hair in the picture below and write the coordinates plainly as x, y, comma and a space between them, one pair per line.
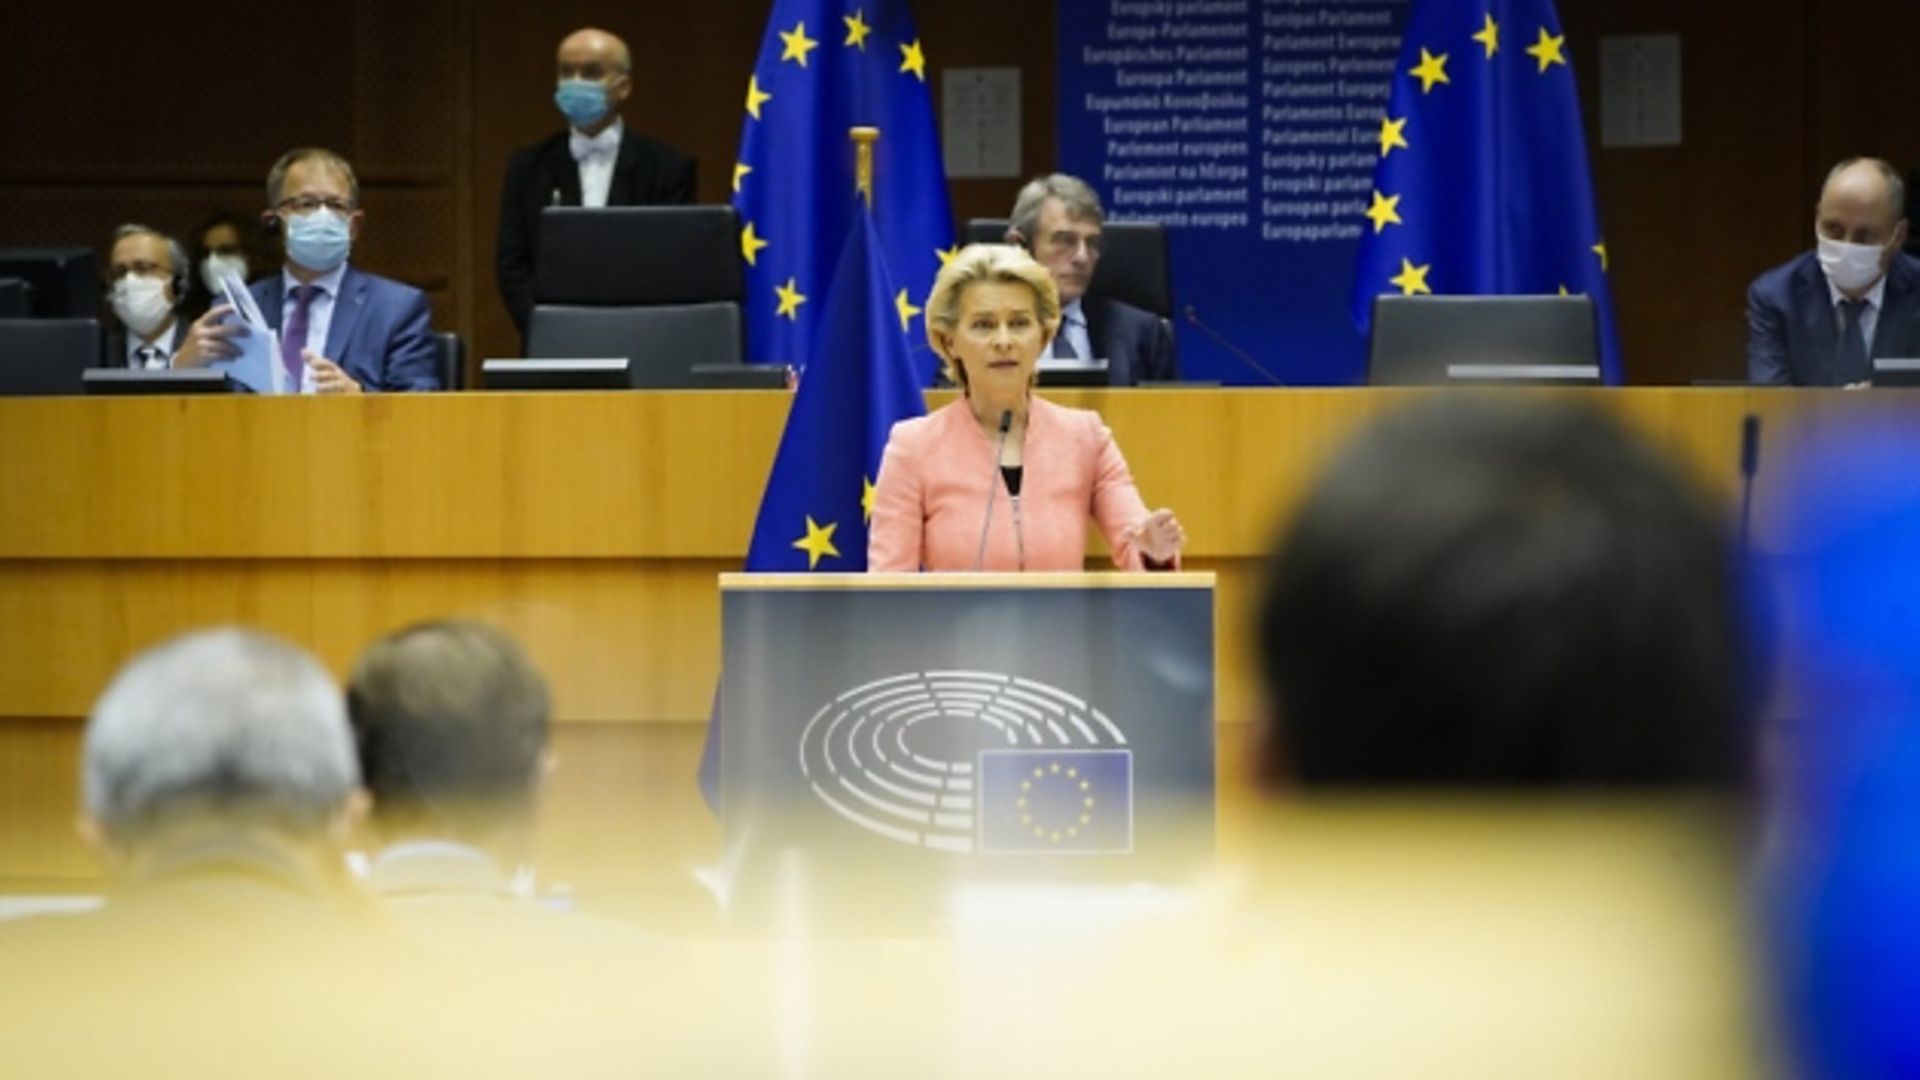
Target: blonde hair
1002, 263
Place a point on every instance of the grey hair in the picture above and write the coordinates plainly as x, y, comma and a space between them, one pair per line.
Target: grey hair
1081, 201
218, 722
1896, 185
176, 255
277, 176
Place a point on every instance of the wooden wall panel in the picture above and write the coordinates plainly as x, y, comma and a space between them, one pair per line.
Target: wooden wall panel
431, 98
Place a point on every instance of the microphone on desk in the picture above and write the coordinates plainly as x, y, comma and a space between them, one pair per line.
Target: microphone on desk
1193, 319
993, 485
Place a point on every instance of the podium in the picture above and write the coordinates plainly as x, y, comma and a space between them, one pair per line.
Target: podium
885, 736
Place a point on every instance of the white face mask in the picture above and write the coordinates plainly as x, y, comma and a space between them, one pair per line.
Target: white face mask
141, 303
213, 266
1853, 268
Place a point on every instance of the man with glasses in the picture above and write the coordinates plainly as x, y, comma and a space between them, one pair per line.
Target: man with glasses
1057, 218
342, 330
147, 277
598, 161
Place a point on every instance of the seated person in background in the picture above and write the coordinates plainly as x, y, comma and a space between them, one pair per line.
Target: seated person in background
1498, 596
148, 276
1821, 318
596, 162
1057, 219
991, 314
224, 241
342, 331
450, 719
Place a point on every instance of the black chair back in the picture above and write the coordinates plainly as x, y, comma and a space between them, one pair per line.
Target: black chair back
47, 356
1135, 267
452, 359
663, 342
16, 298
1481, 340
634, 255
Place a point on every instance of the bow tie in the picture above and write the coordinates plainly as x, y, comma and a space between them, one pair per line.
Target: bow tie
604, 145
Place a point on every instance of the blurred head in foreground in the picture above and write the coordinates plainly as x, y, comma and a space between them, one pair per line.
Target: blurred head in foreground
227, 731
451, 722
1503, 595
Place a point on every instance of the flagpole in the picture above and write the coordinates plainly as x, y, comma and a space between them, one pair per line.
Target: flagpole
863, 140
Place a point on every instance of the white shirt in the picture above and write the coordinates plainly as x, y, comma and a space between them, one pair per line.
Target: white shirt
1869, 316
162, 340
319, 315
596, 156
1073, 327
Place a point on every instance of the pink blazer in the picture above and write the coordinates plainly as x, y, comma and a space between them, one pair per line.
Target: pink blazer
938, 472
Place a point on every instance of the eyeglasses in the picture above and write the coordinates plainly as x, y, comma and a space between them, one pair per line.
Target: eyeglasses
307, 204
139, 268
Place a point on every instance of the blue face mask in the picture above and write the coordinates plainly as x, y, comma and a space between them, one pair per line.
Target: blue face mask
318, 241
582, 101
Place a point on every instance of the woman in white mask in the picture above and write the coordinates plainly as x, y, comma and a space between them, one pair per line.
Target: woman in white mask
147, 278
224, 242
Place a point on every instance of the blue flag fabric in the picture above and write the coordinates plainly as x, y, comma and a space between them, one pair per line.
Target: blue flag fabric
1078, 801
826, 66
1482, 187
819, 495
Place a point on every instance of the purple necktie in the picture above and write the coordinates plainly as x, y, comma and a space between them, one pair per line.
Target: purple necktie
293, 337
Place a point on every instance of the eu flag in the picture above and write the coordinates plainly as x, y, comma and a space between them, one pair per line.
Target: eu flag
819, 495
1482, 184
1069, 801
826, 66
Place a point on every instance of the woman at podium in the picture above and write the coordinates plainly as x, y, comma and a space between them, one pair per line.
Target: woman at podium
1002, 479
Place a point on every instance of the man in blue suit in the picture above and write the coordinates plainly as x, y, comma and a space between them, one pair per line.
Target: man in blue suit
1058, 219
1820, 319
342, 331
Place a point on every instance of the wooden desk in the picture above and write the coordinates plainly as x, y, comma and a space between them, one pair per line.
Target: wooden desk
589, 525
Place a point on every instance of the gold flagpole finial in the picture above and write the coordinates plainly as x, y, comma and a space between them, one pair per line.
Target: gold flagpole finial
863, 140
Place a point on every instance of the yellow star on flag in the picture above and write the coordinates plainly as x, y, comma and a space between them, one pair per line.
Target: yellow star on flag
1489, 36
790, 299
1564, 292
1412, 279
1600, 249
740, 172
946, 255
1384, 212
1547, 50
750, 245
818, 542
906, 309
857, 30
1392, 133
1431, 69
912, 59
866, 499
798, 44
755, 97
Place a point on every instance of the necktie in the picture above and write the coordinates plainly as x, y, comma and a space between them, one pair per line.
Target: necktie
1062, 346
148, 356
1850, 363
293, 336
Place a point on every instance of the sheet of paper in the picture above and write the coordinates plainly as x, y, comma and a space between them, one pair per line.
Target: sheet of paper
258, 366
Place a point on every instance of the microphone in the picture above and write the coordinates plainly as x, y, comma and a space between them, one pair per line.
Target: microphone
1193, 319
1749, 467
993, 486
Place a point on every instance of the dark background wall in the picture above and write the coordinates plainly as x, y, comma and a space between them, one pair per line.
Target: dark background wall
112, 112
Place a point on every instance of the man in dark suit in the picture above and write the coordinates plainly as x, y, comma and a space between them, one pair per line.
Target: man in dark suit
1821, 319
1058, 219
595, 162
147, 279
342, 331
